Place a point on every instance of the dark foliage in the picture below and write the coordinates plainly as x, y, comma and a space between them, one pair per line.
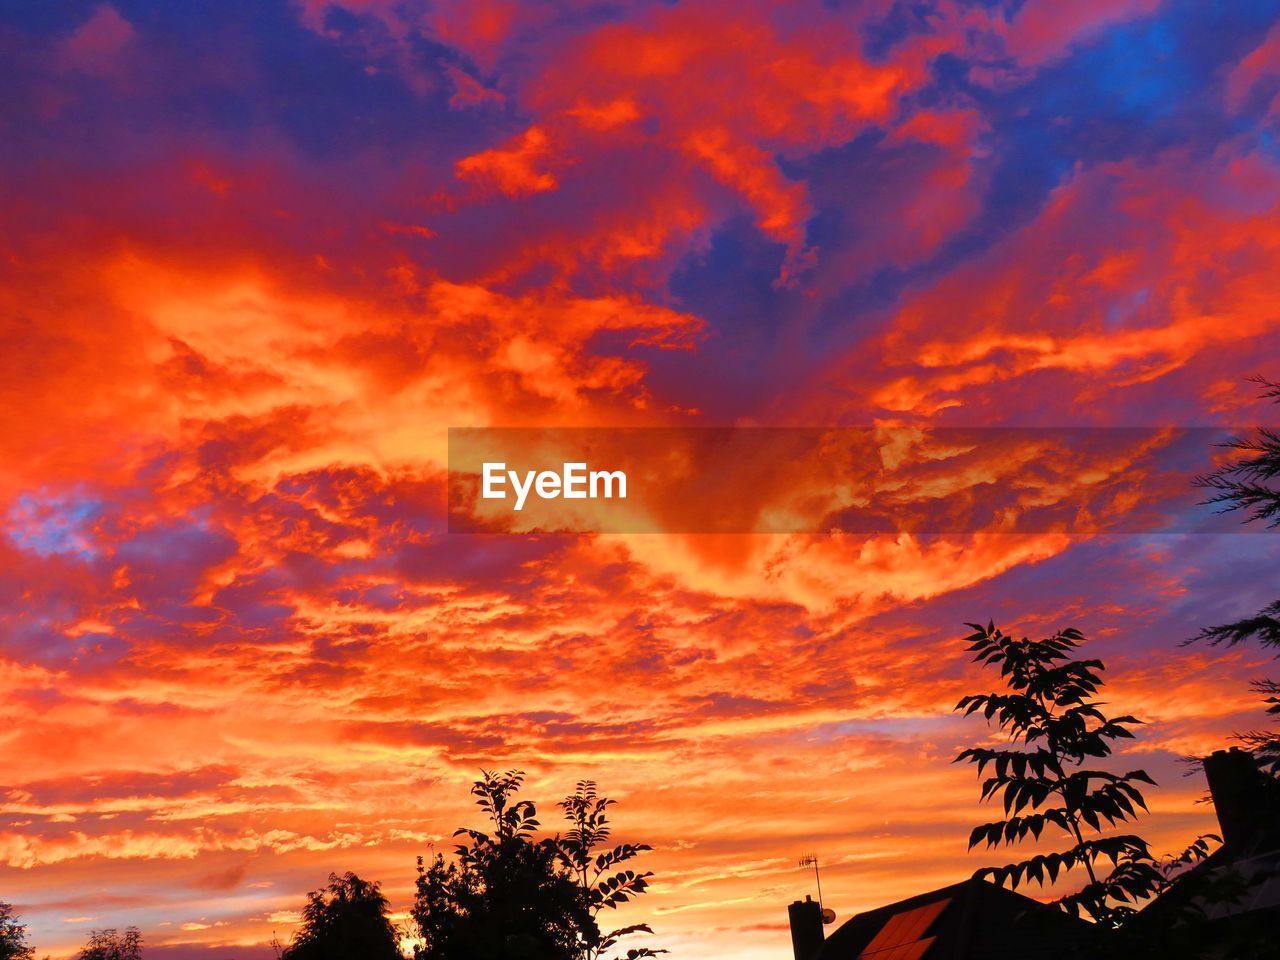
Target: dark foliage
347, 918
1050, 709
13, 936
507, 895
600, 881
110, 945
1250, 483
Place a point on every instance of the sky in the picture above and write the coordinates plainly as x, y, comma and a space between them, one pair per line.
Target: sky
258, 256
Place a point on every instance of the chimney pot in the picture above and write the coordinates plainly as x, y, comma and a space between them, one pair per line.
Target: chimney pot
1240, 795
806, 928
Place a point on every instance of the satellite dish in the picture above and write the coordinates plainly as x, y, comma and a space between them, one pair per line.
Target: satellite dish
828, 915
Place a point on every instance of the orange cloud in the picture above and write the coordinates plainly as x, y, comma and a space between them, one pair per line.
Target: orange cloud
512, 170
240, 312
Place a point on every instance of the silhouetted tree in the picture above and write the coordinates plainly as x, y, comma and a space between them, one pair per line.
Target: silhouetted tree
110, 945
600, 882
1250, 483
507, 896
346, 919
13, 936
1051, 711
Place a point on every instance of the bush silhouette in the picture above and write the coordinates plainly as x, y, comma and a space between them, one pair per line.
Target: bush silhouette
1049, 707
13, 936
509, 895
345, 919
110, 945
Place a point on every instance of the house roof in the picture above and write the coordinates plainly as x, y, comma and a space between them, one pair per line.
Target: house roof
1242, 877
1236, 890
1229, 884
973, 920
1261, 875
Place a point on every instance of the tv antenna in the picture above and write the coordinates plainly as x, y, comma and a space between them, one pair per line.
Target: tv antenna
811, 860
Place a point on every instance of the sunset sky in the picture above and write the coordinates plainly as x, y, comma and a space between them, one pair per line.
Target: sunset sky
258, 256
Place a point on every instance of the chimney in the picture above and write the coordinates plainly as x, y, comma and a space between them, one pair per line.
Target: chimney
1239, 792
806, 928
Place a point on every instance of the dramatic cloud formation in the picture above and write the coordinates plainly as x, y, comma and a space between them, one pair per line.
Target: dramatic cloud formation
259, 256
